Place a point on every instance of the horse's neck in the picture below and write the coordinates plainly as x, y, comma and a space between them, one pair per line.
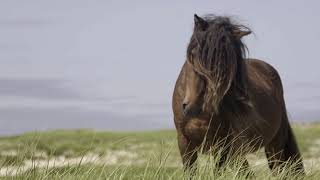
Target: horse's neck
239, 87
235, 105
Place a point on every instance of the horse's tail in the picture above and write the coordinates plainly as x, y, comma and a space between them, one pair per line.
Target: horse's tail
285, 139
291, 151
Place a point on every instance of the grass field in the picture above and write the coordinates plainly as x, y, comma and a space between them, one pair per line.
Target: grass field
87, 154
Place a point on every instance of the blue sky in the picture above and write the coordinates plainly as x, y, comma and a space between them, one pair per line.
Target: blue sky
111, 65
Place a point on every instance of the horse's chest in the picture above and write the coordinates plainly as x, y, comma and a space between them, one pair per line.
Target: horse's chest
198, 131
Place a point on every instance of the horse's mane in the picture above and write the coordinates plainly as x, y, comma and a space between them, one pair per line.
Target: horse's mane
218, 56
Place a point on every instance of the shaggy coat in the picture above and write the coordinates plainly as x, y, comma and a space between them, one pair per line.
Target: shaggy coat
220, 96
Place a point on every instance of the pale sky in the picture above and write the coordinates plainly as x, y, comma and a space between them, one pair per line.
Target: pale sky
112, 65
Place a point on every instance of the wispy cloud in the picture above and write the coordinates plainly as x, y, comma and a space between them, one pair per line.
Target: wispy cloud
19, 120
37, 88
305, 84
23, 23
41, 104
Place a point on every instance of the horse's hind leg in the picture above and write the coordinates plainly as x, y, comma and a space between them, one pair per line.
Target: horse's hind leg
283, 149
245, 170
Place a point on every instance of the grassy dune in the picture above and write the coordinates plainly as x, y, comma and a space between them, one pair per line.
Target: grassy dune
87, 154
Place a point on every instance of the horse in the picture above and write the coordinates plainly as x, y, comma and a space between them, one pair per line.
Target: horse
222, 95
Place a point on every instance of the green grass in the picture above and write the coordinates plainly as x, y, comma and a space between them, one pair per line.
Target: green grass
78, 141
91, 171
307, 136
125, 155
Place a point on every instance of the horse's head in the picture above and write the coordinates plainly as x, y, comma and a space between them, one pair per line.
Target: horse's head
194, 91
214, 55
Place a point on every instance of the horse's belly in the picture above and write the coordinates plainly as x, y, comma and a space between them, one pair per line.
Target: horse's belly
247, 144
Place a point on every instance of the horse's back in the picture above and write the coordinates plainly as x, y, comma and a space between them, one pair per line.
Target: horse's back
264, 77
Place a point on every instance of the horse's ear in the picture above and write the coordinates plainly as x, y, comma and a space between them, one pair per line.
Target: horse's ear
240, 33
200, 23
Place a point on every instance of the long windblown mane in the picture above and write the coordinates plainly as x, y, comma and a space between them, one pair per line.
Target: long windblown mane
218, 56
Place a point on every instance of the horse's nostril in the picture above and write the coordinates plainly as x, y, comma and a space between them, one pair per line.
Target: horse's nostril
184, 106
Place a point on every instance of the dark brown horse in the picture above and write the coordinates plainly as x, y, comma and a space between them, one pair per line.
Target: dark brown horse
220, 95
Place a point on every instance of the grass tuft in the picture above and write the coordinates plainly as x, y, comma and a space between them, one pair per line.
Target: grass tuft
87, 154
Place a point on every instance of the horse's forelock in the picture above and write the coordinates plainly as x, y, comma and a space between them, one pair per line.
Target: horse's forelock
216, 59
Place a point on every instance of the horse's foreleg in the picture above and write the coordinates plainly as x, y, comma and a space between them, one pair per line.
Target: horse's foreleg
188, 154
245, 170
228, 158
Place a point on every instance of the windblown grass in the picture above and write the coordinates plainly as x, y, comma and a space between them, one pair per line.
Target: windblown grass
87, 154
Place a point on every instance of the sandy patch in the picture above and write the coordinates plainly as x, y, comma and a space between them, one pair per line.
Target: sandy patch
110, 158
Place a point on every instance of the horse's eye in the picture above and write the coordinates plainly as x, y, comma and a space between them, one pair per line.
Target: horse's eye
199, 74
195, 50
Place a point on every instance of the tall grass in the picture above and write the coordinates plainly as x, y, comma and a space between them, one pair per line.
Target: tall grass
156, 157
156, 168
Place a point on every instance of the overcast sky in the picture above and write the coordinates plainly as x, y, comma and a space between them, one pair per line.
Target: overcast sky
112, 65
